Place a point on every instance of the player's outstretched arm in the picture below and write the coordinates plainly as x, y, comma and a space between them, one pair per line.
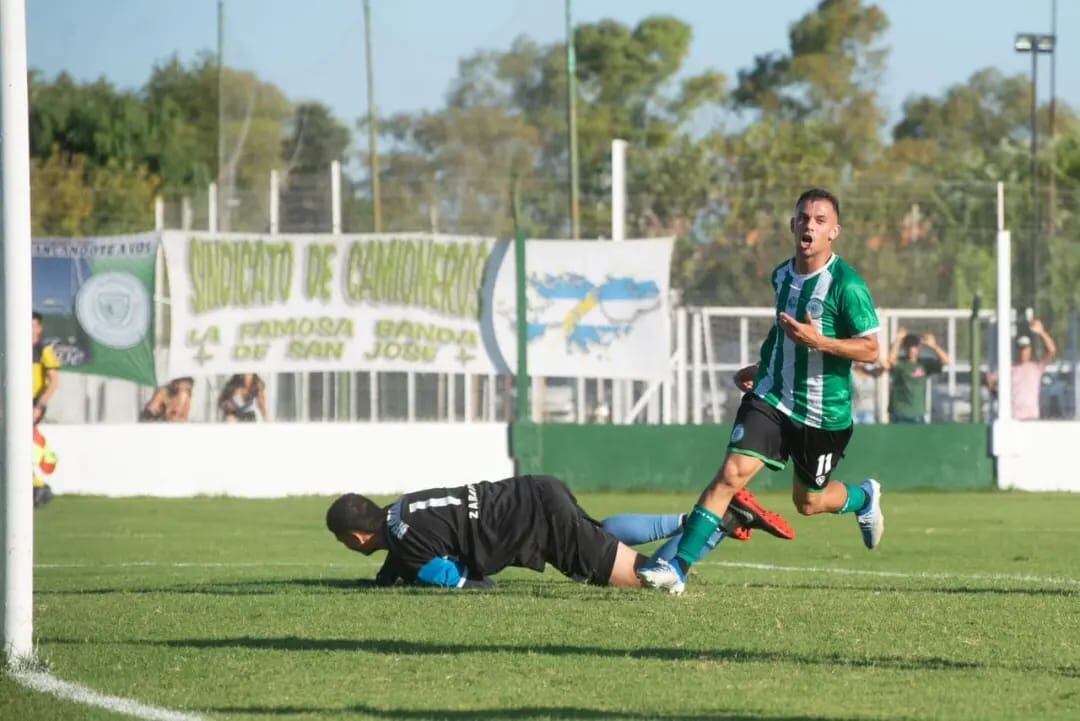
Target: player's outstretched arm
389, 573
450, 573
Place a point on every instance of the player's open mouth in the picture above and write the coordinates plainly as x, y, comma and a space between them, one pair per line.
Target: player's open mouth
806, 241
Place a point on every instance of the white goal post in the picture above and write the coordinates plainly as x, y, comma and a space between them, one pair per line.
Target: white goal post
16, 424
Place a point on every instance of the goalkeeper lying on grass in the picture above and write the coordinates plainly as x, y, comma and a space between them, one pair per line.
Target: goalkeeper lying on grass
458, 537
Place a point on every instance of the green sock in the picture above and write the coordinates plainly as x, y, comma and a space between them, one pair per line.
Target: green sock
856, 499
700, 524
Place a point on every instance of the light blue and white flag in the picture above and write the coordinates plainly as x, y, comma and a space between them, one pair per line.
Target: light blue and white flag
595, 308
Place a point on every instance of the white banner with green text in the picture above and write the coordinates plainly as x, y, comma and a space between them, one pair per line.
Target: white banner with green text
420, 302
276, 303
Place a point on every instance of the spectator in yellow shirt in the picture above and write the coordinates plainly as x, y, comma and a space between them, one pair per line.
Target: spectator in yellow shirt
46, 370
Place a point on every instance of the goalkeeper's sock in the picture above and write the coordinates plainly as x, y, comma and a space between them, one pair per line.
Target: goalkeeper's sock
857, 499
637, 528
700, 525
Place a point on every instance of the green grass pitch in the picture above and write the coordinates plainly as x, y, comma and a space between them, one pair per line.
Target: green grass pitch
248, 609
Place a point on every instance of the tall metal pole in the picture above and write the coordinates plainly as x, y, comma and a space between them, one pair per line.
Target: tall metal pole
335, 197
618, 190
1034, 180
220, 184
1052, 203
1004, 311
522, 406
975, 353
373, 133
17, 516
621, 390
571, 113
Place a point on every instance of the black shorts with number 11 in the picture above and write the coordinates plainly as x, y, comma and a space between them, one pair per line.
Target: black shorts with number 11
766, 433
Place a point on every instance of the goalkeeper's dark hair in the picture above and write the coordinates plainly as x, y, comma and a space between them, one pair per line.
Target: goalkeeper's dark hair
819, 194
353, 512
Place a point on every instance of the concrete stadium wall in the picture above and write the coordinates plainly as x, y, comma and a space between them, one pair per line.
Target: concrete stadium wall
274, 459
684, 458
1037, 455
278, 459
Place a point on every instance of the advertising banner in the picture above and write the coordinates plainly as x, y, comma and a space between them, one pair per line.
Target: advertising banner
413, 302
96, 298
272, 303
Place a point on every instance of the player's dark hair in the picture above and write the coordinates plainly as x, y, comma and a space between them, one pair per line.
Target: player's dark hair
35, 316
910, 341
819, 194
353, 512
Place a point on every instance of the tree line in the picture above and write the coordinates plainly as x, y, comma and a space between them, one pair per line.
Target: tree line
714, 161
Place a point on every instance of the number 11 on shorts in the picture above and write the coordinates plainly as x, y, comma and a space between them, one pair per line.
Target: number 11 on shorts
824, 465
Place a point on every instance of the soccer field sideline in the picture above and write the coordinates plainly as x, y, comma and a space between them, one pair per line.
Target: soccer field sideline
44, 682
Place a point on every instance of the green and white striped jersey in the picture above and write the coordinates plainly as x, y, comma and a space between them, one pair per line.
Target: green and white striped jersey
811, 387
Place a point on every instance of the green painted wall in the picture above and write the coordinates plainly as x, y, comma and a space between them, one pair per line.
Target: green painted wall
949, 456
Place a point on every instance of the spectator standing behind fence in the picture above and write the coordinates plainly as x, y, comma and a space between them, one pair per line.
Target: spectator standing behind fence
170, 402
1027, 373
241, 395
908, 373
864, 391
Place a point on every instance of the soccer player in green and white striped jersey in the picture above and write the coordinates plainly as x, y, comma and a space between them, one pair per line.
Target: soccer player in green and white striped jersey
797, 401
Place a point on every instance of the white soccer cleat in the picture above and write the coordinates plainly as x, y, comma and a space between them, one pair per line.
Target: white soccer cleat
872, 520
661, 575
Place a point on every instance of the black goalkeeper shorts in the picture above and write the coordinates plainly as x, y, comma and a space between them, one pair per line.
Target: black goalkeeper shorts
576, 544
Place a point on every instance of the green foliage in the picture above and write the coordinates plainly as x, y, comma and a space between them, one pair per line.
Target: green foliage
717, 167
73, 197
248, 609
103, 154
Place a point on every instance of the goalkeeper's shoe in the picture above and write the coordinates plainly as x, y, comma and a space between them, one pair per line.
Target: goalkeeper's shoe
871, 521
752, 514
663, 575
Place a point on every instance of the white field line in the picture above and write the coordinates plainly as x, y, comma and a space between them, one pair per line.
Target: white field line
47, 683
1015, 578
1058, 580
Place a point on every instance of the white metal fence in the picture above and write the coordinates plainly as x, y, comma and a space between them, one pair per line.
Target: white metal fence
708, 346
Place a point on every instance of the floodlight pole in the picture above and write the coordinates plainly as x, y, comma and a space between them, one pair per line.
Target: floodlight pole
1052, 201
1034, 181
373, 133
1035, 43
219, 184
571, 123
16, 425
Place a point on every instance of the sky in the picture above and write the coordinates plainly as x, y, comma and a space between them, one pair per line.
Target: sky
314, 50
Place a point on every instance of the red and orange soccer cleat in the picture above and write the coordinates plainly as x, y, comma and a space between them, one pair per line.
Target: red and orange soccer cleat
752, 514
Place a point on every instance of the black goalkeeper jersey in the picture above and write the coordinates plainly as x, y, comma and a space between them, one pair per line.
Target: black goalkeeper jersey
483, 526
